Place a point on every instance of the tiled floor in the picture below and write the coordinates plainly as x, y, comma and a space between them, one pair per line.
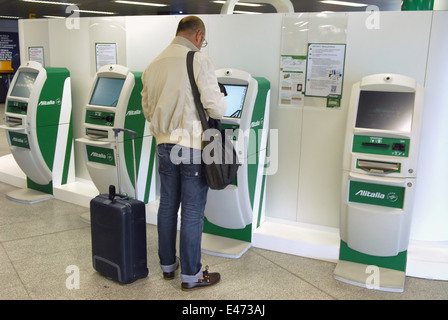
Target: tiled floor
41, 245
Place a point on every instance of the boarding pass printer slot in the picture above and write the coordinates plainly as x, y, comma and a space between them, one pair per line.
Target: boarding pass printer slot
13, 121
378, 166
96, 133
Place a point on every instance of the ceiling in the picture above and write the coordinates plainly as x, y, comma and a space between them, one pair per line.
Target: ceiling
23, 9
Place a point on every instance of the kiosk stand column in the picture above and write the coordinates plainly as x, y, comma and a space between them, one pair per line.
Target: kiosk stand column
231, 214
115, 102
379, 177
39, 129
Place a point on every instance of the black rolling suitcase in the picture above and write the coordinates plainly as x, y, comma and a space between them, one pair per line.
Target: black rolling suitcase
118, 227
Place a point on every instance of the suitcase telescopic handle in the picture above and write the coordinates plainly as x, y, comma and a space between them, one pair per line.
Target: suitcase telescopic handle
132, 134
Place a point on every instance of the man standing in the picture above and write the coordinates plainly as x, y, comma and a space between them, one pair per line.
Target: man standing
168, 104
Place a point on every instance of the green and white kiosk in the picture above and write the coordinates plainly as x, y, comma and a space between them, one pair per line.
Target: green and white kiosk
232, 214
115, 102
39, 130
379, 177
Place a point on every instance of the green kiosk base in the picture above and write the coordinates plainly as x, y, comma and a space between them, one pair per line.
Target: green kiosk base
32, 194
28, 196
223, 242
371, 272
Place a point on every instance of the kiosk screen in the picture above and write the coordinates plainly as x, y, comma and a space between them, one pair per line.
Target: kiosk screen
236, 94
385, 110
24, 84
107, 91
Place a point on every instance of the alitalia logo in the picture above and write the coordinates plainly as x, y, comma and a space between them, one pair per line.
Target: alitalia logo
50, 102
101, 155
391, 196
133, 112
19, 140
98, 155
365, 193
376, 194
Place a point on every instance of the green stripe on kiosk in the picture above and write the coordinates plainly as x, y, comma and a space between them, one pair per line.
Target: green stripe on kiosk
39, 129
115, 102
231, 214
378, 184
407, 5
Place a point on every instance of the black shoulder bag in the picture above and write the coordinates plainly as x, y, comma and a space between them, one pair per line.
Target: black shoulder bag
219, 160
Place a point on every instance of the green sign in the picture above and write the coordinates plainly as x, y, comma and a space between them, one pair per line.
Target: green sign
17, 107
376, 194
381, 145
48, 108
134, 118
100, 155
333, 101
19, 140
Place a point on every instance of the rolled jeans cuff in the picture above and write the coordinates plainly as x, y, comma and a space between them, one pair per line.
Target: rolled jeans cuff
194, 278
171, 267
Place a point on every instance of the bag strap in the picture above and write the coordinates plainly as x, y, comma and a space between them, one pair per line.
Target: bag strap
196, 95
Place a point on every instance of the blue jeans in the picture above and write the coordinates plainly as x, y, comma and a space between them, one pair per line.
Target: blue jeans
181, 183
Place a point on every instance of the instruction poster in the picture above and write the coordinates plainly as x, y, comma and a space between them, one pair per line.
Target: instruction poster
106, 53
325, 69
36, 54
292, 79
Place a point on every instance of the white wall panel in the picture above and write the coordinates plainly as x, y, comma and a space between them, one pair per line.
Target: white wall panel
430, 220
34, 33
146, 37
322, 141
252, 44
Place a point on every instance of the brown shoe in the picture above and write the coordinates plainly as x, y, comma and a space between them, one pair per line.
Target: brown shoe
170, 275
208, 279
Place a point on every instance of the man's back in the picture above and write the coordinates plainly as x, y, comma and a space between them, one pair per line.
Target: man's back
168, 102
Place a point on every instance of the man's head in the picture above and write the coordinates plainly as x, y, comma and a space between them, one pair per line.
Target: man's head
193, 29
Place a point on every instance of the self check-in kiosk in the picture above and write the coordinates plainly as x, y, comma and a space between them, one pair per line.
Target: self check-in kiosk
115, 102
379, 177
39, 131
231, 214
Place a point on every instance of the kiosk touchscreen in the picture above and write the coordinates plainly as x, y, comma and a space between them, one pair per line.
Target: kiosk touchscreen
379, 177
115, 102
232, 213
39, 131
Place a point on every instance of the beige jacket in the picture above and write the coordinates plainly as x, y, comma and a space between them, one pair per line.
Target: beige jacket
167, 99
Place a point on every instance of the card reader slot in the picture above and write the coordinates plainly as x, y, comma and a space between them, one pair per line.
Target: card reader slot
378, 166
372, 144
13, 122
96, 133
106, 118
20, 107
